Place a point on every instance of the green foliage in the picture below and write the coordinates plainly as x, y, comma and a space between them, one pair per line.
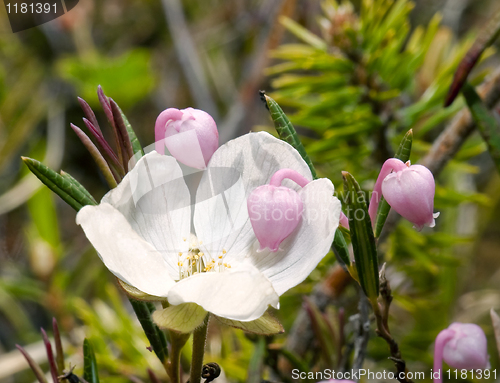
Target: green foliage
128, 75
352, 92
286, 130
487, 125
65, 187
363, 241
90, 370
156, 337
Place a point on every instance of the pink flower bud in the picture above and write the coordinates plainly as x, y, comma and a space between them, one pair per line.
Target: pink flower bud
190, 135
462, 346
274, 210
408, 189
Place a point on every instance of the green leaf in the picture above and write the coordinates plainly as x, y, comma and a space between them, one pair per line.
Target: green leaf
59, 184
256, 365
155, 336
340, 247
286, 130
293, 359
323, 332
495, 321
363, 241
90, 373
303, 34
402, 154
136, 145
77, 185
265, 325
183, 318
487, 125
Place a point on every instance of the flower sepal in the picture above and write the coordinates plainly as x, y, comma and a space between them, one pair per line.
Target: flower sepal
183, 318
137, 294
265, 325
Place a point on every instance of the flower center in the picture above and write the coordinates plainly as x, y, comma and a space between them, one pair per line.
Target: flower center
195, 261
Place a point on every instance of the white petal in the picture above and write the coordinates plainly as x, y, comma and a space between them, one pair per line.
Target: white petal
155, 201
301, 252
240, 294
236, 168
123, 251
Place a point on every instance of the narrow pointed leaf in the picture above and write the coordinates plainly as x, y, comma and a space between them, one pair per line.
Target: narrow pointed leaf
50, 356
265, 325
286, 130
58, 184
90, 372
486, 124
256, 365
403, 154
484, 40
322, 332
106, 106
293, 359
160, 334
78, 185
96, 155
37, 370
363, 241
122, 119
303, 33
89, 113
158, 343
106, 151
123, 136
183, 318
495, 321
59, 348
340, 248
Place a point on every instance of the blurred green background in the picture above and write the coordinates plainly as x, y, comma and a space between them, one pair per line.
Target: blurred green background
353, 78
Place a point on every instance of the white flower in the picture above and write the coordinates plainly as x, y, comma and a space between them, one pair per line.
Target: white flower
148, 233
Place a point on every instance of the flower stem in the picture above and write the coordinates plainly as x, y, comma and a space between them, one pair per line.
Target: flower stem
441, 340
174, 365
293, 175
381, 315
199, 340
